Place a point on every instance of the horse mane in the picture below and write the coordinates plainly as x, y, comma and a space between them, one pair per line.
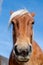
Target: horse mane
19, 12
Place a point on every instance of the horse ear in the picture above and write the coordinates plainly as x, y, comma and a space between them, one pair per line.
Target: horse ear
33, 14
11, 12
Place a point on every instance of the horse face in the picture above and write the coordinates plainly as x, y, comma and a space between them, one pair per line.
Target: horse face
22, 36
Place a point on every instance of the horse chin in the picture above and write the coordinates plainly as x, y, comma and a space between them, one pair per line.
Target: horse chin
22, 59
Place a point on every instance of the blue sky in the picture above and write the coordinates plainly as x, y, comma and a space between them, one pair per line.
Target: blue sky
6, 6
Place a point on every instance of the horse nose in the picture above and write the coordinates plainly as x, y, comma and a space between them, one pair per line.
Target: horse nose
23, 52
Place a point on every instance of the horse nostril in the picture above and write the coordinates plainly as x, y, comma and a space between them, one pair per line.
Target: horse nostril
30, 48
16, 51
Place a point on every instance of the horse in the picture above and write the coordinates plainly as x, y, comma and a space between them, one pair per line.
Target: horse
25, 50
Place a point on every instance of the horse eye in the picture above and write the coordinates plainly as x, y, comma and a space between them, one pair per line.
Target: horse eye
12, 22
33, 22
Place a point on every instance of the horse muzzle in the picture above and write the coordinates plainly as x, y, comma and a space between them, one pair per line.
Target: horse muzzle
22, 53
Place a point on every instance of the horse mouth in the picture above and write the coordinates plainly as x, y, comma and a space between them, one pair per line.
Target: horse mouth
20, 58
